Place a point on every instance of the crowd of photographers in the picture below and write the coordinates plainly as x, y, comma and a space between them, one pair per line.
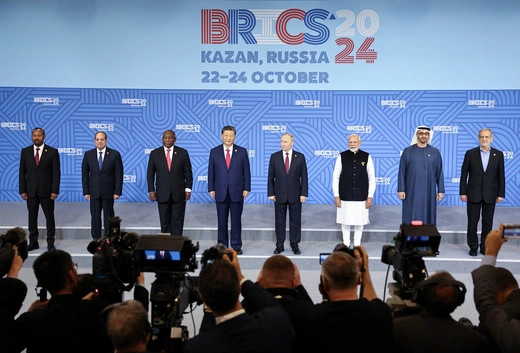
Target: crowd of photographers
276, 313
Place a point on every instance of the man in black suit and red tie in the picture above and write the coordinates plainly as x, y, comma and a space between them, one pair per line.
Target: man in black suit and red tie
485, 187
102, 177
39, 184
162, 255
287, 185
229, 183
170, 180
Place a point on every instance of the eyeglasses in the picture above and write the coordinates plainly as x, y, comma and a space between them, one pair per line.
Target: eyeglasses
423, 133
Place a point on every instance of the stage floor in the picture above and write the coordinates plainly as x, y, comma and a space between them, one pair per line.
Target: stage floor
318, 221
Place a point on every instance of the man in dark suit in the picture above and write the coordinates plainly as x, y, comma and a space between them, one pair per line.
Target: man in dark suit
102, 177
229, 183
39, 184
504, 331
344, 319
433, 329
169, 167
508, 296
486, 187
66, 320
287, 185
269, 329
162, 255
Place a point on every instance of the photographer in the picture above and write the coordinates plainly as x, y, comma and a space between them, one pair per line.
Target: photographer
344, 321
508, 296
127, 326
12, 294
433, 329
67, 323
504, 331
13, 251
268, 330
281, 277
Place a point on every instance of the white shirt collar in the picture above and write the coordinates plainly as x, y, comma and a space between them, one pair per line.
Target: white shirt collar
230, 148
229, 316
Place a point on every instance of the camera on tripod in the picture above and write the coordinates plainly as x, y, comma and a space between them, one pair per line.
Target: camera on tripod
412, 243
121, 256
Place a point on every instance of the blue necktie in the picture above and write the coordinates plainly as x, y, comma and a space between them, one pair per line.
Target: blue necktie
100, 160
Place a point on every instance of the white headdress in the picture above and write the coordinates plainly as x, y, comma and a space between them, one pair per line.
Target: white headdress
424, 128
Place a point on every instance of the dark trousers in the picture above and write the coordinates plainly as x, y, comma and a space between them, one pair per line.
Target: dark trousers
33, 206
223, 211
295, 224
171, 216
96, 206
473, 211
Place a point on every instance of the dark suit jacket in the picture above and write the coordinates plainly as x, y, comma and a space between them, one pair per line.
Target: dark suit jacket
268, 330
427, 333
167, 182
66, 324
167, 255
236, 179
44, 179
501, 328
104, 183
287, 187
483, 186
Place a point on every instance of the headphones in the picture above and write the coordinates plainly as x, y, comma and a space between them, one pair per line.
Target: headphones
420, 293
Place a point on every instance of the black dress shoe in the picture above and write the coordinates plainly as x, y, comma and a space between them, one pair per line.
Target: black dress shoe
239, 251
33, 246
278, 251
296, 250
483, 251
51, 247
473, 253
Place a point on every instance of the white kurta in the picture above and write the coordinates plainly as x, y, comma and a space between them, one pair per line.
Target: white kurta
353, 212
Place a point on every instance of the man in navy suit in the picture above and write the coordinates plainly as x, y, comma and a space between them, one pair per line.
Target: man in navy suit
231, 329
170, 167
287, 185
102, 177
39, 184
229, 183
486, 187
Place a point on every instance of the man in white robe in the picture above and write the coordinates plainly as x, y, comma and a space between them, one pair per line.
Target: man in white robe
353, 184
421, 180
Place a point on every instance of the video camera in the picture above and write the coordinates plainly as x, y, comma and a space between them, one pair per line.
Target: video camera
412, 243
15, 236
121, 256
113, 265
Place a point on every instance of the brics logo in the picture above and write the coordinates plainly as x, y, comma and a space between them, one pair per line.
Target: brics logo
221, 27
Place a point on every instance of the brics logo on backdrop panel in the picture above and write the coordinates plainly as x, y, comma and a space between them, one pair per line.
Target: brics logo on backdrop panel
290, 27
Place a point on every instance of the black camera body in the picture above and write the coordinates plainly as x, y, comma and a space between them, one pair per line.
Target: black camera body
15, 236
214, 253
113, 264
412, 243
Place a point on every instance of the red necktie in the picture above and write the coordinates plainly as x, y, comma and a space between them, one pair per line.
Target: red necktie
37, 156
287, 162
228, 158
168, 159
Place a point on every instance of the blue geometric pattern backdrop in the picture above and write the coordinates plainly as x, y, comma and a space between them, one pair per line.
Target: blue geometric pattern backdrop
321, 122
